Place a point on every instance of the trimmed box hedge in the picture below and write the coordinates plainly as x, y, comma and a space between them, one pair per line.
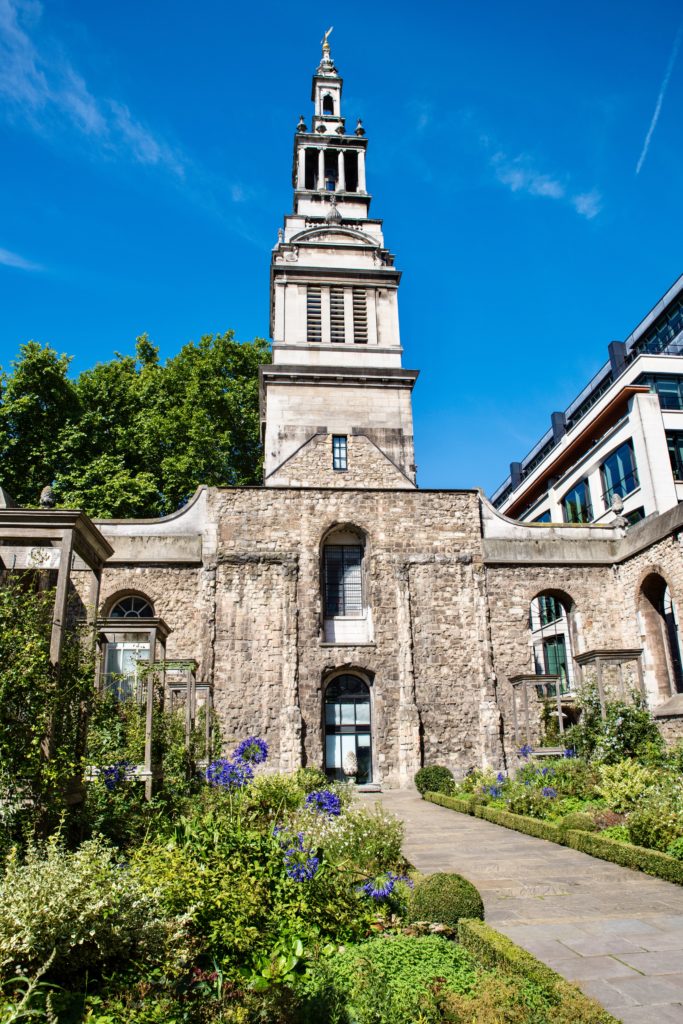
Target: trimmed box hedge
494, 950
638, 858
651, 862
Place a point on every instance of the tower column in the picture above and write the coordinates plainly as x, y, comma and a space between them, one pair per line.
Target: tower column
341, 174
301, 168
321, 170
361, 170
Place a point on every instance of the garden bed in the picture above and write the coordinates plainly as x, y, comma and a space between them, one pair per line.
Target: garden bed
638, 858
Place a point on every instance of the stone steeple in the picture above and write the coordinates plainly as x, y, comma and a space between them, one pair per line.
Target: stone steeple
336, 370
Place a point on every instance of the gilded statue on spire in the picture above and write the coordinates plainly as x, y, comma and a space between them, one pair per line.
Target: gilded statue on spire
324, 40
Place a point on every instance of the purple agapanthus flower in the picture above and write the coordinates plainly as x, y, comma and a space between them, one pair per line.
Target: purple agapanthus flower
526, 750
500, 777
325, 801
229, 774
115, 773
550, 792
253, 750
569, 752
494, 791
300, 863
382, 886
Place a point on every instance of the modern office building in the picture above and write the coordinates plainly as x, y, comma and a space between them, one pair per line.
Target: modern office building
618, 447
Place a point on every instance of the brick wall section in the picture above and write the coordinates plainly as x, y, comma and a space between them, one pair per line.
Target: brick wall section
311, 466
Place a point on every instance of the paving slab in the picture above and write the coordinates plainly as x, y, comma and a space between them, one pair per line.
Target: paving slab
612, 931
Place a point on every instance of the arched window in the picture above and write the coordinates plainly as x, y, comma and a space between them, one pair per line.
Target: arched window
549, 623
132, 607
659, 622
127, 646
328, 104
348, 727
345, 613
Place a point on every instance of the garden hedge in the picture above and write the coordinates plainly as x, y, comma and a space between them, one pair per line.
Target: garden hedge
651, 862
496, 951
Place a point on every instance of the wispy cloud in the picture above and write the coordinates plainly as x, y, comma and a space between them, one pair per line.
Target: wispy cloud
12, 259
47, 92
520, 174
660, 99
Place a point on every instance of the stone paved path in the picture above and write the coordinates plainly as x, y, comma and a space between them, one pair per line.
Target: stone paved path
617, 933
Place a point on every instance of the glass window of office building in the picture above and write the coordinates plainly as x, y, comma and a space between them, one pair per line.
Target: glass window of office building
576, 504
619, 474
674, 440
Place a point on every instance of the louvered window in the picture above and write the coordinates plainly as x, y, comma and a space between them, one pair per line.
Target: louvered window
313, 314
343, 579
337, 323
360, 316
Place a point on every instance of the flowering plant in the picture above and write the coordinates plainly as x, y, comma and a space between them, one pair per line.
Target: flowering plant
382, 886
525, 751
229, 774
300, 863
253, 750
115, 773
324, 800
550, 792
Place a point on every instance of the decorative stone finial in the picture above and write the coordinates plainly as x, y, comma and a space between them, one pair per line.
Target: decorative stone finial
280, 235
47, 497
617, 504
333, 214
301, 127
360, 130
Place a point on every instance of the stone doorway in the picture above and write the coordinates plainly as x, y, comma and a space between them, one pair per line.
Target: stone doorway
348, 727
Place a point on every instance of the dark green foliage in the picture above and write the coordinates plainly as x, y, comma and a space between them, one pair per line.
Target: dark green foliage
444, 899
499, 953
655, 823
133, 436
42, 710
455, 803
652, 862
520, 823
434, 778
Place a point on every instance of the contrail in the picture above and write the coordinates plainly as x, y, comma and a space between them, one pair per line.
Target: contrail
660, 99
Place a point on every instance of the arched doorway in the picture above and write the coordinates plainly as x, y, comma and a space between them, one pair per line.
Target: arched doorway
659, 620
348, 726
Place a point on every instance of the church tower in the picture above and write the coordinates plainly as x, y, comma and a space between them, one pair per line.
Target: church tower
336, 403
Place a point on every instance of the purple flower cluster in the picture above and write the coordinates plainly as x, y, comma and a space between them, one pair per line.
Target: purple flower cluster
325, 801
569, 752
549, 791
500, 777
526, 750
494, 791
382, 887
230, 774
253, 750
300, 863
113, 774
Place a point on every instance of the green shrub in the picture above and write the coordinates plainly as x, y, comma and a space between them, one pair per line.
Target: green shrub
465, 804
365, 840
392, 980
531, 803
655, 823
311, 779
84, 905
444, 899
617, 832
530, 826
578, 820
652, 862
434, 778
627, 730
273, 795
624, 784
676, 848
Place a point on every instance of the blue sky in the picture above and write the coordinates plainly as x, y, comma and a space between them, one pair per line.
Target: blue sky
526, 159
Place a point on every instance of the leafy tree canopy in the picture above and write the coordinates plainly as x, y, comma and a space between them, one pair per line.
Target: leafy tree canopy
132, 436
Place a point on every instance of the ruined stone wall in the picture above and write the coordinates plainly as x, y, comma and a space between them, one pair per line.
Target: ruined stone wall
596, 620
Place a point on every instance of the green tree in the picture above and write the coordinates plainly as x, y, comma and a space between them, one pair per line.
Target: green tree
132, 437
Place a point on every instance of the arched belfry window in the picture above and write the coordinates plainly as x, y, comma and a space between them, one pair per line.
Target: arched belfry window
550, 626
345, 613
348, 728
328, 104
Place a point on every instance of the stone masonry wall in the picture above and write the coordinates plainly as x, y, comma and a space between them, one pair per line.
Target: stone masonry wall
311, 466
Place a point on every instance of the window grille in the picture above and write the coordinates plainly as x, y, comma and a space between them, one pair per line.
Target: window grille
339, 452
313, 314
343, 583
360, 316
337, 322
